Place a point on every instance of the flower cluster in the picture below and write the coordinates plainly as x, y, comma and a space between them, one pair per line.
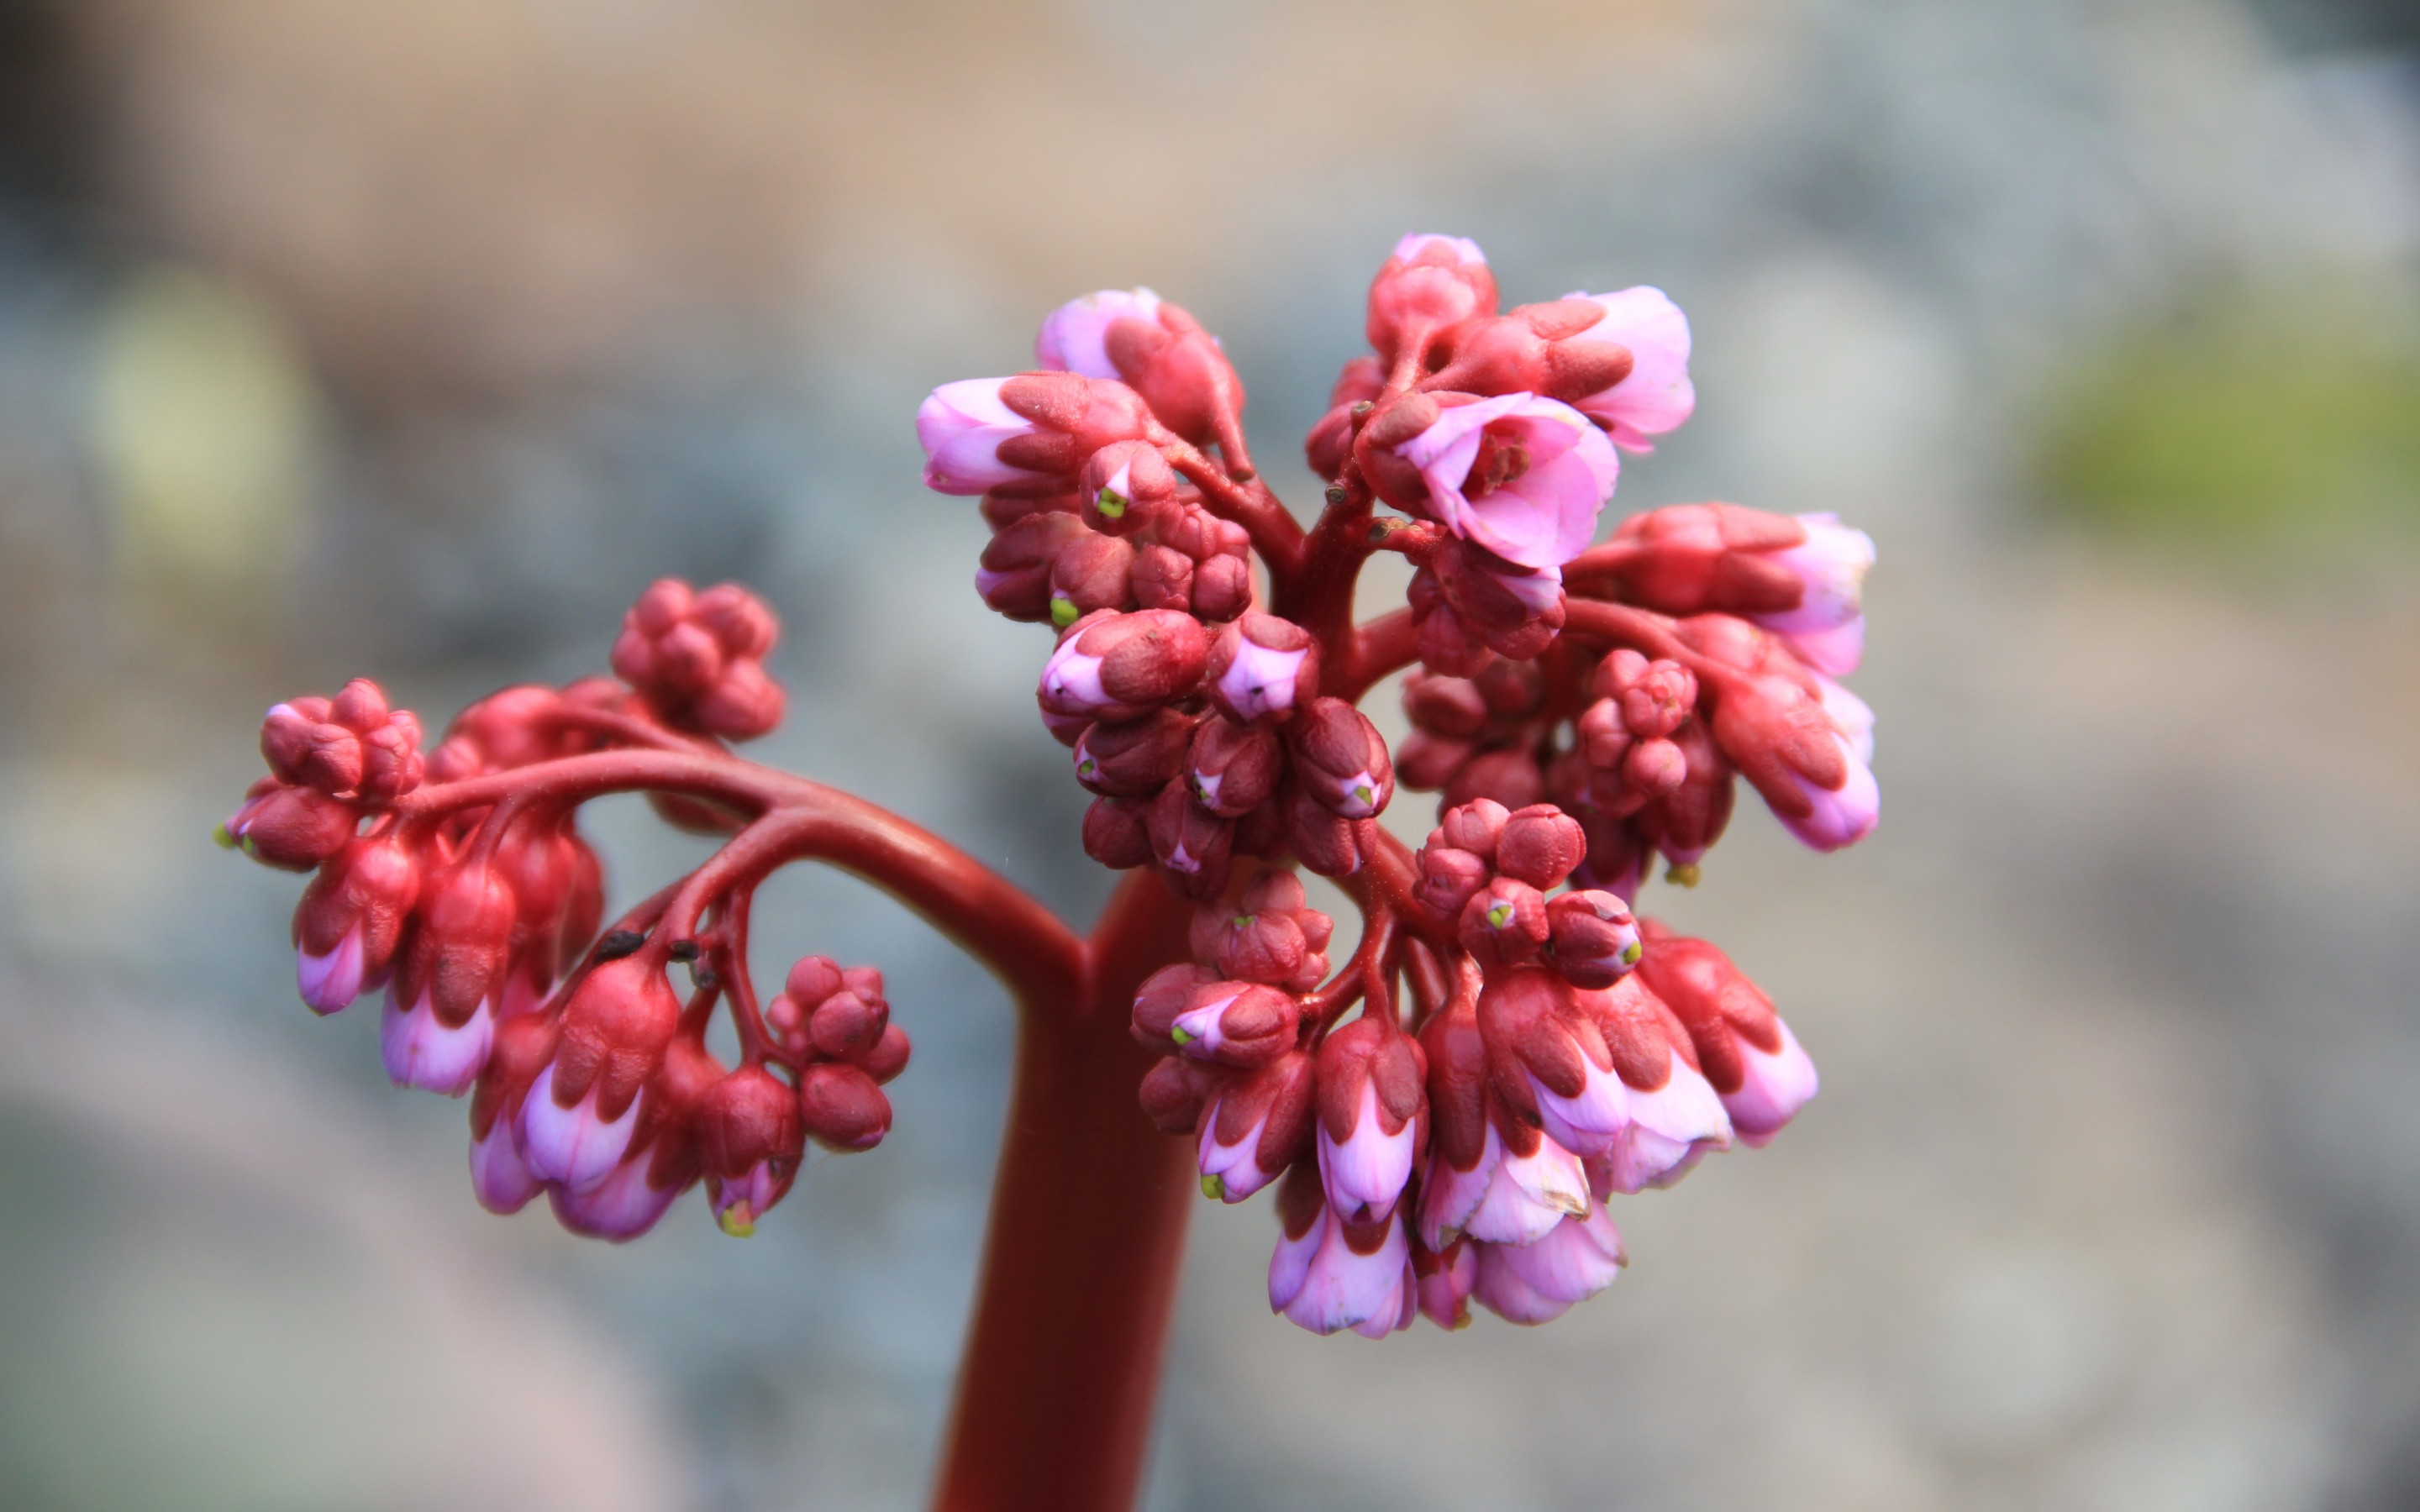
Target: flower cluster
1525, 1047
461, 883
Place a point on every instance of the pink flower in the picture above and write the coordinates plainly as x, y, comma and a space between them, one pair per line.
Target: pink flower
1655, 395
1073, 335
1444, 1283
1327, 1275
422, 1049
626, 1204
1775, 1084
1428, 290
1506, 1198
1523, 476
1236, 1024
1827, 629
961, 426
1543, 1049
1671, 1127
1255, 1127
1263, 668
577, 1146
1371, 1102
1539, 1282
331, 979
1854, 716
1841, 816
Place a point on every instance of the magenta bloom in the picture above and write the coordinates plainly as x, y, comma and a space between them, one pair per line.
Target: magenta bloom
328, 981
621, 1206
575, 1147
1523, 476
1072, 337
960, 425
1827, 629
1539, 1282
1655, 395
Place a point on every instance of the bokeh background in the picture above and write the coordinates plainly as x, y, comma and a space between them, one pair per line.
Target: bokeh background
414, 339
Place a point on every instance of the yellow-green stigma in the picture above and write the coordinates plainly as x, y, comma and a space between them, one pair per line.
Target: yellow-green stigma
1063, 610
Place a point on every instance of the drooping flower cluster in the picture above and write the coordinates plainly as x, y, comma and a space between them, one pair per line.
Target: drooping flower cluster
470, 897
1525, 1048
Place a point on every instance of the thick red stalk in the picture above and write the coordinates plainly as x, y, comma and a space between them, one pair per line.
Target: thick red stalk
1056, 1391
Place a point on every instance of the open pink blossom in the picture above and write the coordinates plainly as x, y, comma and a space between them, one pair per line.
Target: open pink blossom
1539, 1282
960, 425
1523, 476
1655, 395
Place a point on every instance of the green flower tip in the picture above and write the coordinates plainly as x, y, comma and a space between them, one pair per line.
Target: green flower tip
1062, 611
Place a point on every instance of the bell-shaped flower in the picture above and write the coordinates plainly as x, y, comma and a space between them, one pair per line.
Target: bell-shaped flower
583, 1109
1750, 1055
1549, 1062
1372, 1115
1443, 1281
1261, 669
349, 923
1427, 292
1329, 1275
499, 1173
1340, 760
751, 1140
961, 426
1537, 1282
1256, 1126
1675, 1114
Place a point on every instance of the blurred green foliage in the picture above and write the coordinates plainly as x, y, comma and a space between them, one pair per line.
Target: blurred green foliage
2245, 421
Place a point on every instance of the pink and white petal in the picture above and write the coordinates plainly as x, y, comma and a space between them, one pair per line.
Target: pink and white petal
1850, 715
1577, 1260
330, 982
499, 1177
1502, 1290
1340, 1288
1290, 1263
1368, 1169
1841, 816
1656, 395
1072, 336
1589, 1123
1779, 1083
1529, 1195
1448, 1198
573, 1147
1671, 1127
422, 1052
1236, 1168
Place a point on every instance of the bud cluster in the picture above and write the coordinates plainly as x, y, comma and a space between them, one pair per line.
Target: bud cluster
480, 918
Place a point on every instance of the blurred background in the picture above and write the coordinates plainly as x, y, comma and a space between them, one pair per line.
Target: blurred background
412, 340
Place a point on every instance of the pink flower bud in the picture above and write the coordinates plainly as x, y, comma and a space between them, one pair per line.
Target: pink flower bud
1164, 994
1328, 1274
1514, 611
1522, 476
1161, 578
1428, 291
888, 1058
697, 658
499, 1173
1074, 337
1539, 1282
1015, 576
1135, 759
1115, 834
1125, 486
1747, 1052
292, 828
1255, 1126
961, 426
1340, 760
1445, 1281
1372, 1106
351, 918
1694, 559
846, 1027
1269, 936
1071, 418
1504, 923
1174, 1091
1685, 823
1783, 739
1323, 840
1548, 1063
392, 764
1475, 826
1116, 667
750, 1140
1234, 768
1450, 879
1426, 763
581, 1114
1594, 940
1194, 847
842, 1107
1236, 1024
1448, 707
1222, 588
663, 1160
1261, 669
1540, 844
1509, 776
1091, 573
455, 960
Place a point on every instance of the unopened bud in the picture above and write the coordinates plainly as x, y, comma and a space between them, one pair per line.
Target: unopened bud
1234, 768
1505, 923
1341, 758
842, 1107
1126, 486
1091, 573
1115, 834
1137, 758
1261, 669
1540, 845
1596, 940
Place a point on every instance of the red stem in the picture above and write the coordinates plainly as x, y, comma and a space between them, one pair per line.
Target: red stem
1056, 1391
